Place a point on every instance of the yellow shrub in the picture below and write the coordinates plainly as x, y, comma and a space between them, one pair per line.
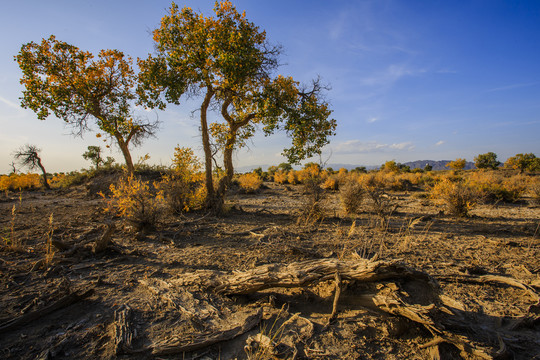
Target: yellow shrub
132, 199
15, 182
458, 196
184, 188
292, 177
534, 190
331, 183
280, 177
310, 172
250, 182
495, 187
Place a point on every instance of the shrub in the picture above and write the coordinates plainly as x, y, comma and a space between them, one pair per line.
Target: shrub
495, 188
280, 177
292, 177
351, 194
534, 189
487, 161
250, 182
183, 189
523, 162
15, 182
458, 196
331, 183
133, 200
458, 164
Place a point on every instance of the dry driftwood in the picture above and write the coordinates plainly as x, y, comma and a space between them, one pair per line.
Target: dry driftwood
388, 299
301, 274
123, 333
176, 346
102, 243
34, 315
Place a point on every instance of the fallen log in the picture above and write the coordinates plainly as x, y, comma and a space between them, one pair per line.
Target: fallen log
301, 274
389, 297
175, 346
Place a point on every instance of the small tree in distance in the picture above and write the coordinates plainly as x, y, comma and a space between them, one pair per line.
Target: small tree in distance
523, 162
487, 161
94, 155
28, 156
458, 164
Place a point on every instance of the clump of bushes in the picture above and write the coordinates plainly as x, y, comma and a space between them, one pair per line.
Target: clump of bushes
458, 196
16, 182
250, 182
183, 188
280, 177
494, 187
136, 202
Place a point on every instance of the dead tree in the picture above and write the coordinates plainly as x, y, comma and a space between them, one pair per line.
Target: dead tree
28, 156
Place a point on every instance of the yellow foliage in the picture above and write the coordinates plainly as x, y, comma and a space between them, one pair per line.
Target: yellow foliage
458, 196
331, 183
184, 188
15, 182
250, 182
280, 177
292, 177
132, 199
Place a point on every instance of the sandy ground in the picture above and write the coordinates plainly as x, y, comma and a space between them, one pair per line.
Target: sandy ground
259, 229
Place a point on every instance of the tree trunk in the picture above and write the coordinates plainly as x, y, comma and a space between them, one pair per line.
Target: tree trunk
210, 197
45, 181
225, 181
125, 151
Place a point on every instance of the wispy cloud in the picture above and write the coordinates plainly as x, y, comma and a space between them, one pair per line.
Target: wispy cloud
9, 103
512, 86
390, 75
439, 143
372, 120
357, 147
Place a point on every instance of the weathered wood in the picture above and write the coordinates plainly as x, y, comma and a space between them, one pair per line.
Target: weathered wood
300, 274
34, 315
103, 242
123, 333
337, 293
176, 346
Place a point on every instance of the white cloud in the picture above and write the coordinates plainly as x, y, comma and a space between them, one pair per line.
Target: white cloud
390, 75
439, 143
9, 103
357, 146
513, 86
372, 120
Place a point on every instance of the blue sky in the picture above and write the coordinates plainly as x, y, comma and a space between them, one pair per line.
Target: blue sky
411, 80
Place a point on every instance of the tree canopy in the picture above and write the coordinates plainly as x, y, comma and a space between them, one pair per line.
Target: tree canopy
227, 60
487, 161
523, 162
62, 80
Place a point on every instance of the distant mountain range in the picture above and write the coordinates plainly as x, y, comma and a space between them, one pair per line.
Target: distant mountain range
418, 164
